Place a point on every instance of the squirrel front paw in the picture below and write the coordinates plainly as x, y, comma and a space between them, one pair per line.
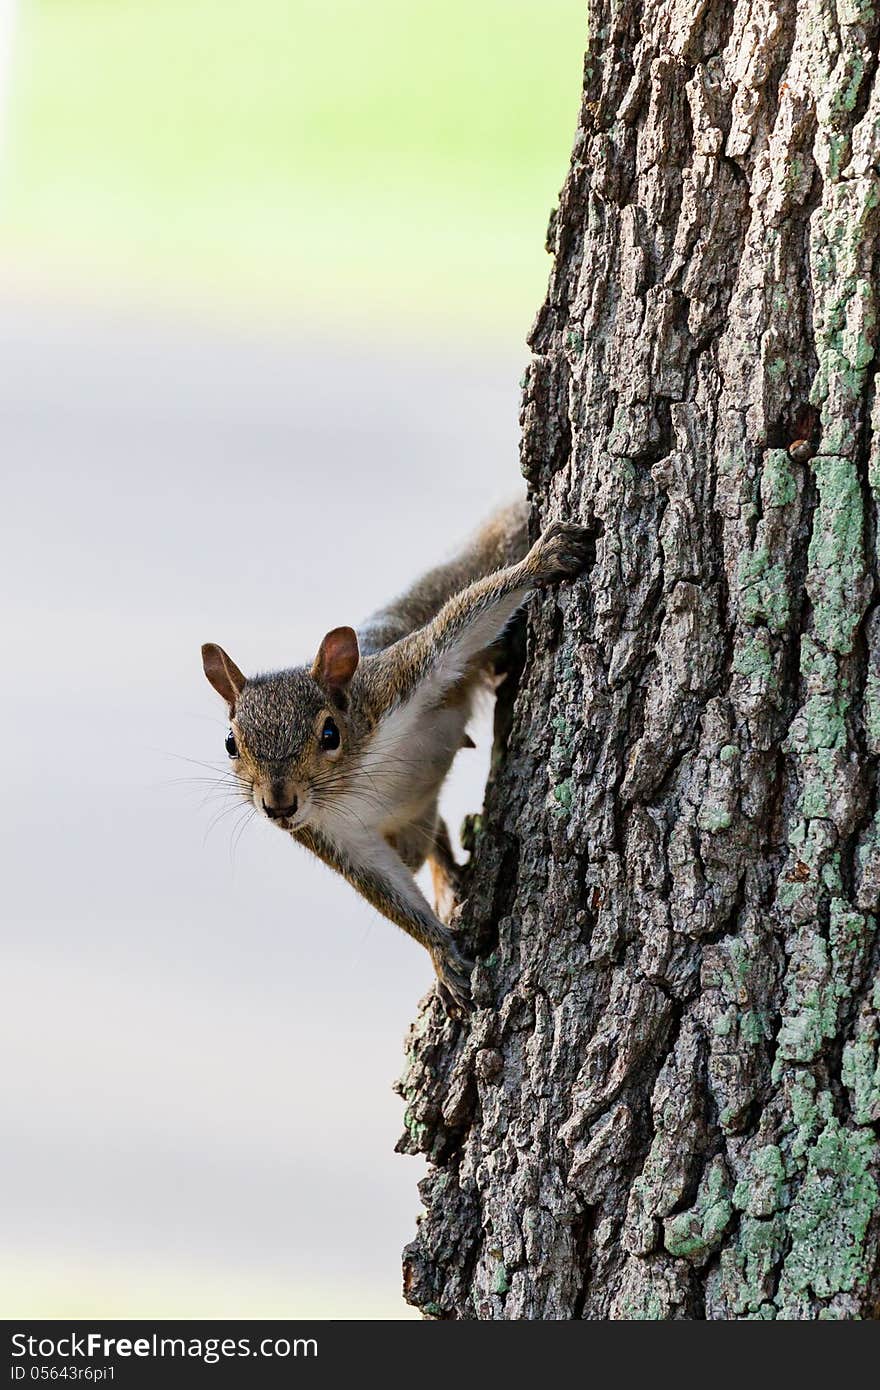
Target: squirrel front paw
454, 981
563, 551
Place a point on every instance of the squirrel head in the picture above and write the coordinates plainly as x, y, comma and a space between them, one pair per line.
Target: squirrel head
291, 732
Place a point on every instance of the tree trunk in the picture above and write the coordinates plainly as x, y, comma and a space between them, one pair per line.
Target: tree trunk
667, 1104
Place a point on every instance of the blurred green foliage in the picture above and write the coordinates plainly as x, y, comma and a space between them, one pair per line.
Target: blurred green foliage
362, 159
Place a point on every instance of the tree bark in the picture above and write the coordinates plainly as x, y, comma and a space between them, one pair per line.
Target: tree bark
667, 1103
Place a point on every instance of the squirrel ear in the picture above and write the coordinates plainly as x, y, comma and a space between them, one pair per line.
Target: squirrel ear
222, 672
337, 659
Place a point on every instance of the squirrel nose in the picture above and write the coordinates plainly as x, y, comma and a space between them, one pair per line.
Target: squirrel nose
279, 812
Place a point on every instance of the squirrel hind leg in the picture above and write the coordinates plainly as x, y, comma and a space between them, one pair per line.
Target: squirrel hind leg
454, 983
445, 873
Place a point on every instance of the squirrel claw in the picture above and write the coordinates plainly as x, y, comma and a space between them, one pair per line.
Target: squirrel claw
454, 986
563, 551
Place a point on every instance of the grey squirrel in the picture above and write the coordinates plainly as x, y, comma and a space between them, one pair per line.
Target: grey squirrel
348, 756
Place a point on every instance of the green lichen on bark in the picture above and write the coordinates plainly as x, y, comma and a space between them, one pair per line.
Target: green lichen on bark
808, 1109
821, 720
860, 1069
747, 1269
714, 818
763, 591
695, 1233
836, 579
754, 659
828, 1219
778, 479
844, 314
819, 977
759, 1193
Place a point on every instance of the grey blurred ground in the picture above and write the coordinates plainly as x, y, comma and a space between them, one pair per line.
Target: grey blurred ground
199, 1046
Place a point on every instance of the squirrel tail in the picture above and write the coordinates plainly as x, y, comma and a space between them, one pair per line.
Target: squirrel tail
501, 541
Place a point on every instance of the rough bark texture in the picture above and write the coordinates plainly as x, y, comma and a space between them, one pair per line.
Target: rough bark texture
667, 1104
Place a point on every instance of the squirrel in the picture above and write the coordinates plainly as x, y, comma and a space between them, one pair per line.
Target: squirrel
348, 755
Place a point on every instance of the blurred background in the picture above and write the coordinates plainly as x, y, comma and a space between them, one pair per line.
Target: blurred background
266, 272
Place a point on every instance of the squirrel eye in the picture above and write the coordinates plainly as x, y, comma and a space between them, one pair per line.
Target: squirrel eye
329, 736
231, 745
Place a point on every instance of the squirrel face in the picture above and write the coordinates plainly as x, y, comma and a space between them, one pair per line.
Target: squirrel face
291, 734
